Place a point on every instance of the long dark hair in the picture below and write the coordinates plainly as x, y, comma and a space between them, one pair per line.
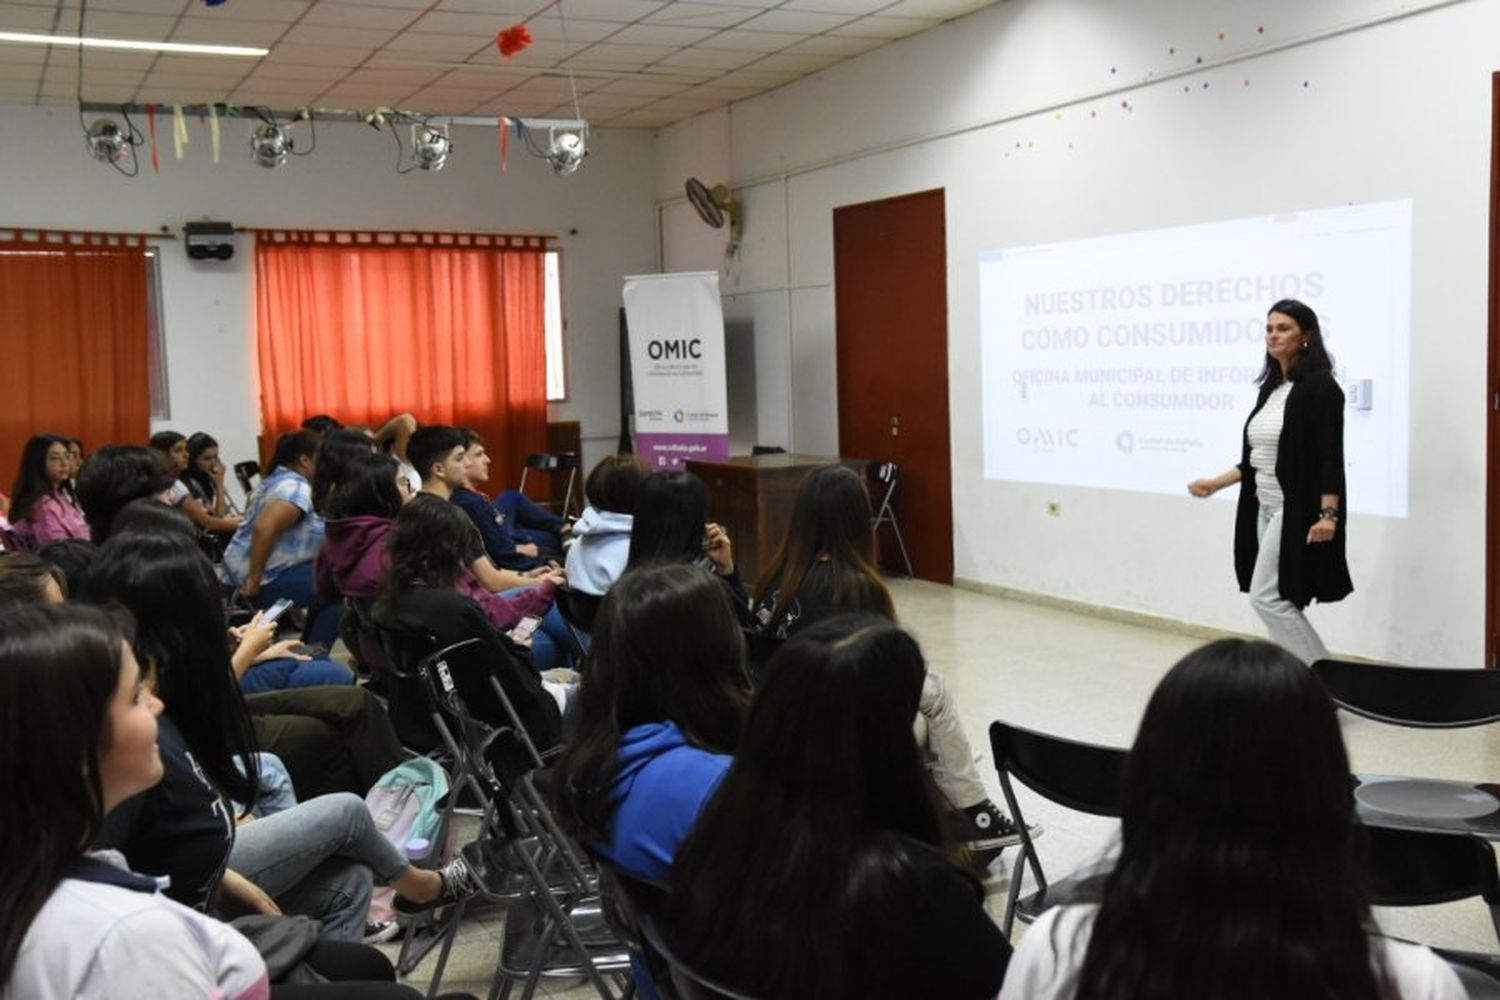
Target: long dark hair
614, 484
195, 478
23, 579
1314, 358
826, 766
831, 521
427, 548
31, 478
59, 668
666, 648
339, 448
111, 478
169, 586
366, 487
1238, 874
671, 513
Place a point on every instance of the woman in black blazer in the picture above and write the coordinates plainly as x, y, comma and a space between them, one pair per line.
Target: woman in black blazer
1289, 528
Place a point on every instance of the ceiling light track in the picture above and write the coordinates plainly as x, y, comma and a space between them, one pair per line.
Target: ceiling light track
132, 44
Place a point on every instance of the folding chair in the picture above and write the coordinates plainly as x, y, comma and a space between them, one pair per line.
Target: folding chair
554, 925
1082, 776
1411, 868
688, 983
1414, 697
554, 464
245, 472
1478, 974
887, 475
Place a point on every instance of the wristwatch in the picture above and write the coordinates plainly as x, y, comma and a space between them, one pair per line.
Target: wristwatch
1328, 514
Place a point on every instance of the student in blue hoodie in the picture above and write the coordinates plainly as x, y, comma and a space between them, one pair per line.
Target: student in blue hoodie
657, 717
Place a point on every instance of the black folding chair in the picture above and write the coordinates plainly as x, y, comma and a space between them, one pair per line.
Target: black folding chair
886, 475
1082, 776
245, 473
1412, 868
554, 464
688, 982
1415, 697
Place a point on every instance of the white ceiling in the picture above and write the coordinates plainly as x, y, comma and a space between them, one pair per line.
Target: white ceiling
642, 63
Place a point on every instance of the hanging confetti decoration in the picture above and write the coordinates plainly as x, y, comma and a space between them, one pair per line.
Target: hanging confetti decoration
213, 129
151, 127
504, 145
513, 40
179, 131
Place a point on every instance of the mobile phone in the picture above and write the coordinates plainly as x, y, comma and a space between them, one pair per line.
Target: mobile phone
525, 628
275, 611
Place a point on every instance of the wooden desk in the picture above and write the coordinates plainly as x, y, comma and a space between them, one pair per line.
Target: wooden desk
752, 497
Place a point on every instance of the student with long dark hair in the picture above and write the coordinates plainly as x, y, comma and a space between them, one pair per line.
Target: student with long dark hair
360, 515
601, 545
826, 566
206, 473
1238, 875
1290, 523
337, 449
114, 476
42, 505
271, 555
320, 857
176, 457
819, 868
671, 525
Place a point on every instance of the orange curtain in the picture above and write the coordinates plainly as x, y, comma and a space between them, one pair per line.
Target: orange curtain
73, 341
452, 334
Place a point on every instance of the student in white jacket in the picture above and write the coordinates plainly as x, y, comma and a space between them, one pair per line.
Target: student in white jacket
597, 557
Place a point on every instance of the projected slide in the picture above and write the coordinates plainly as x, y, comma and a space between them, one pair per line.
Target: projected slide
1128, 362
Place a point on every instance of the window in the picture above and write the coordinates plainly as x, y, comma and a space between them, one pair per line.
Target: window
156, 345
557, 380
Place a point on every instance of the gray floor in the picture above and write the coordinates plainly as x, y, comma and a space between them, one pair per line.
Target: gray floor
1089, 678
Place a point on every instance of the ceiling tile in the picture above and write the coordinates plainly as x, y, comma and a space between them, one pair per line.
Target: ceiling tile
266, 73
885, 27
389, 76
26, 55
624, 11
323, 34
796, 22
550, 27
661, 34
284, 11
516, 10
643, 88
362, 15
944, 9
754, 74
19, 17
480, 27
835, 45
535, 54
317, 55
616, 56
741, 40
798, 64
223, 31
855, 7
433, 44
702, 58
114, 24
121, 60
171, 7
701, 15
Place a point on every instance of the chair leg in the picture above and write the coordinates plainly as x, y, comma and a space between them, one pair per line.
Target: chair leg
1495, 918
1017, 873
901, 543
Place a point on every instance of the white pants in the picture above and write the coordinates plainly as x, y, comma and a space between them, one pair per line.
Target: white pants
938, 729
1288, 626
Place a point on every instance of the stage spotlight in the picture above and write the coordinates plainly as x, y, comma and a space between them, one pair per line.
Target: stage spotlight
270, 145
566, 150
108, 142
430, 148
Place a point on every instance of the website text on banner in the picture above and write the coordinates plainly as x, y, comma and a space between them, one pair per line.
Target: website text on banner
676, 325
1129, 362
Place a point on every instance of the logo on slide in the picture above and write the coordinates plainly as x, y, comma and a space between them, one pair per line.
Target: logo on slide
679, 416
1047, 439
1125, 441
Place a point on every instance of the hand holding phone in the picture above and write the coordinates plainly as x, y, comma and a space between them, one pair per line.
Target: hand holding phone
276, 610
524, 629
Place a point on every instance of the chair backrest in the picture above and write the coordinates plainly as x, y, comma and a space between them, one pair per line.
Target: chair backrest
1418, 868
690, 984
550, 461
409, 703
884, 473
245, 472
1417, 697
1084, 777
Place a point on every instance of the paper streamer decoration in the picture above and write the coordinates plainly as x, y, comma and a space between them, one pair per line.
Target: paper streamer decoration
513, 40
504, 145
213, 128
151, 127
179, 131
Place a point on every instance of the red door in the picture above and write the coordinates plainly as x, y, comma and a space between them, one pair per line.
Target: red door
891, 309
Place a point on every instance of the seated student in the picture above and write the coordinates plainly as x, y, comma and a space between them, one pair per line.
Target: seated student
537, 530
1238, 874
271, 555
81, 738
114, 476
438, 452
206, 473
428, 591
72, 557
42, 505
497, 526
659, 712
27, 579
671, 525
319, 857
602, 533
360, 514
826, 565
336, 450
818, 869
172, 449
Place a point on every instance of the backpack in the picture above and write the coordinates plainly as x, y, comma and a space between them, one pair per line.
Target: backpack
405, 803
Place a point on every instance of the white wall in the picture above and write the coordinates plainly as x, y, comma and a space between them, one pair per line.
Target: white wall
349, 183
1016, 112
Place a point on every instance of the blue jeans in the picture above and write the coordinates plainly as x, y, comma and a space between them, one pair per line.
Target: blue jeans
322, 858
295, 583
278, 675
276, 792
552, 643
530, 522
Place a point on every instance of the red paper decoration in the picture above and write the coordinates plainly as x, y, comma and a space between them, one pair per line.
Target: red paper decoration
513, 40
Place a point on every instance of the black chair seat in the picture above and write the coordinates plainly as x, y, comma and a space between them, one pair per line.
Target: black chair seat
1416, 697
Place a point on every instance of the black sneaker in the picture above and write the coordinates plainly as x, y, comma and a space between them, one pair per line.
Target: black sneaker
459, 882
988, 827
380, 931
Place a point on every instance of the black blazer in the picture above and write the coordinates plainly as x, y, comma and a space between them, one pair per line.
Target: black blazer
1309, 463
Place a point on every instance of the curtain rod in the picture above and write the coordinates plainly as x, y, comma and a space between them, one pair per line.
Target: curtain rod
77, 237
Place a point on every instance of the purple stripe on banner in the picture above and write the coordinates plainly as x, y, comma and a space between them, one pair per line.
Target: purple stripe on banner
669, 451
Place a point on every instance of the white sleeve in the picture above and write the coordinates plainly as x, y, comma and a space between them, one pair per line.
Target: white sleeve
1036, 968
1421, 975
150, 953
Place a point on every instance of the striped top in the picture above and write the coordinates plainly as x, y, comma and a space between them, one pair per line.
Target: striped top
1265, 437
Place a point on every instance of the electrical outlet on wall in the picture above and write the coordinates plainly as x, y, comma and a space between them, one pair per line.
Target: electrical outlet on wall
1054, 509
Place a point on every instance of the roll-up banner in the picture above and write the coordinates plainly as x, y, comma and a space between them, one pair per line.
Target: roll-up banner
676, 325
